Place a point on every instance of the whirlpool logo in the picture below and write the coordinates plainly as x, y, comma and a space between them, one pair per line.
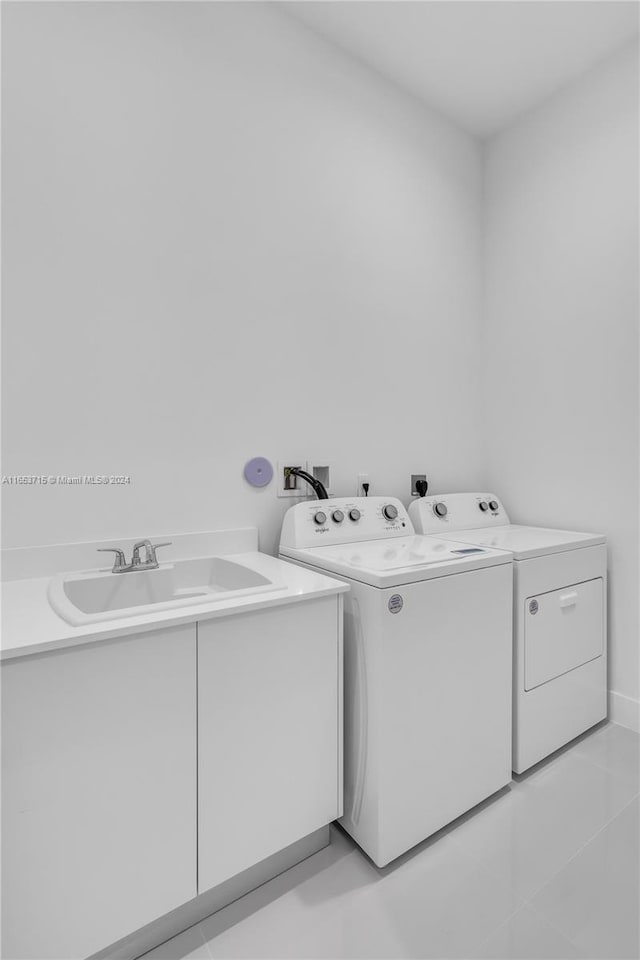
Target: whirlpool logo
396, 603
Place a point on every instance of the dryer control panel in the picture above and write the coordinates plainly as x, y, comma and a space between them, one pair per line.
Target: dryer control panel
316, 523
457, 511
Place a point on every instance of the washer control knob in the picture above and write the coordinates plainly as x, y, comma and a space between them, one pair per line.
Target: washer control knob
390, 512
354, 514
337, 516
320, 518
484, 506
493, 504
440, 509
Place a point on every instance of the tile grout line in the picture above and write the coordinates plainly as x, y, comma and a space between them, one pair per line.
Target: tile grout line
583, 847
573, 751
601, 766
538, 916
543, 916
493, 876
593, 836
523, 902
527, 901
616, 776
499, 927
177, 936
205, 941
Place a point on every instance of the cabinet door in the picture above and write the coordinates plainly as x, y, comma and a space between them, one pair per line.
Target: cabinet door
98, 791
268, 719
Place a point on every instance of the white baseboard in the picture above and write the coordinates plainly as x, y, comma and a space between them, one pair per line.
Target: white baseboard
624, 710
175, 922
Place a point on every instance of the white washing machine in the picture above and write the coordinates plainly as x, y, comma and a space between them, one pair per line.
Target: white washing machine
427, 667
559, 622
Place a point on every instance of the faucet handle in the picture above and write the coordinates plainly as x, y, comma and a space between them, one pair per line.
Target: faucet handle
119, 561
156, 546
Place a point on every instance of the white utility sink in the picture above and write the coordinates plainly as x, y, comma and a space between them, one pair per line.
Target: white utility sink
93, 596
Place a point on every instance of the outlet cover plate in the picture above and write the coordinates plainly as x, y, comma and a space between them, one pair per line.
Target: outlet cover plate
414, 478
323, 471
362, 478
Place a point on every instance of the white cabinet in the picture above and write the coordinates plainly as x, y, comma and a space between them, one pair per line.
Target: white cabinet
98, 791
269, 733
100, 776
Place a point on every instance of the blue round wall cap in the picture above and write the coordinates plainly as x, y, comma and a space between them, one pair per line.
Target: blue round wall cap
258, 472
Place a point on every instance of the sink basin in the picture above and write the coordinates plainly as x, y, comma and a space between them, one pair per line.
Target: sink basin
94, 596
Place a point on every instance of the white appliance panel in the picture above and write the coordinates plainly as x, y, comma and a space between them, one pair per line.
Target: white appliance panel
553, 713
427, 705
524, 542
383, 555
445, 704
391, 555
563, 629
457, 511
382, 563
560, 651
427, 674
315, 523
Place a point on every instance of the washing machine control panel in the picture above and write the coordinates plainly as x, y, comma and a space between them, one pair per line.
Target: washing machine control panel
457, 511
344, 520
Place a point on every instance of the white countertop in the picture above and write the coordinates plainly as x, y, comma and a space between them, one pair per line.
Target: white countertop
30, 625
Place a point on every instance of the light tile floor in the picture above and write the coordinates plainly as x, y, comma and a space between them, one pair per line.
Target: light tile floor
549, 867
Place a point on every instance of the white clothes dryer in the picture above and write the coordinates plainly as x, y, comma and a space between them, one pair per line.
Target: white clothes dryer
559, 617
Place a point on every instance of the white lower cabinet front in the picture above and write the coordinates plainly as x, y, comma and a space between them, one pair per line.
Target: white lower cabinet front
269, 731
98, 791
139, 772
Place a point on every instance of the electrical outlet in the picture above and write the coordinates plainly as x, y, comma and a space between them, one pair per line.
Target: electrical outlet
288, 485
415, 477
362, 478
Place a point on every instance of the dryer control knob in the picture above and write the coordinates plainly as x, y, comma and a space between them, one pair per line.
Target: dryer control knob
440, 509
484, 506
320, 518
337, 516
493, 504
354, 514
390, 512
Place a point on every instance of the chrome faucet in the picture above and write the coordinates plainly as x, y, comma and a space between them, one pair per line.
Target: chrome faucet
150, 562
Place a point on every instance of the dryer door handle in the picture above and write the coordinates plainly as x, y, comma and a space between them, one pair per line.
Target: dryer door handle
569, 599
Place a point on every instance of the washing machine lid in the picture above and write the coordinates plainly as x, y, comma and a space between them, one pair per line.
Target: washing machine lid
388, 563
526, 542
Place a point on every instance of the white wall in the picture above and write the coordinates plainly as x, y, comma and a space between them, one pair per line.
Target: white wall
223, 238
561, 327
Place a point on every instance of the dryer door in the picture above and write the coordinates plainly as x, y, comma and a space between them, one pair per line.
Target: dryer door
562, 630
